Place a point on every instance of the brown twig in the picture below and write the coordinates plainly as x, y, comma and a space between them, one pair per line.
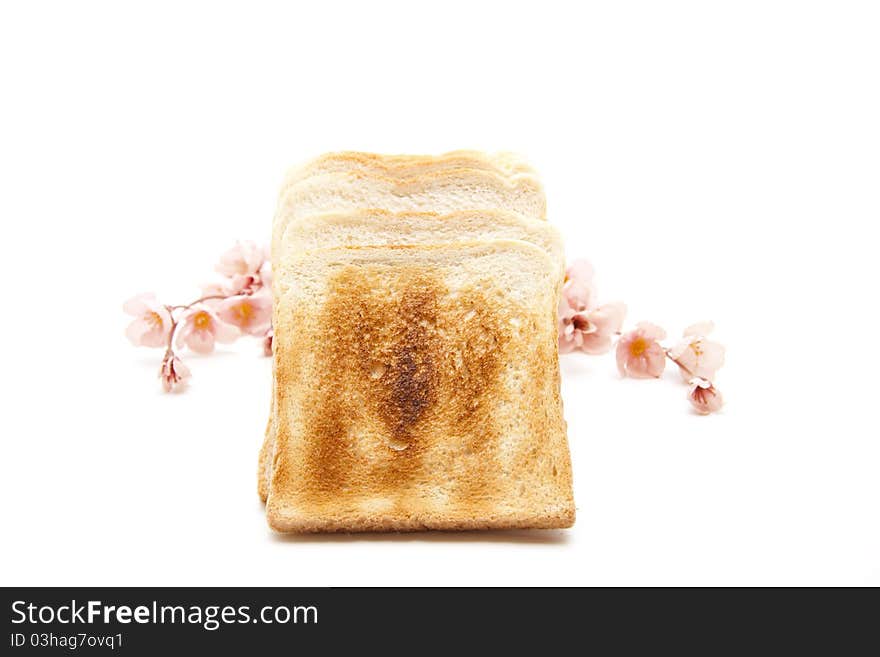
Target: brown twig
686, 369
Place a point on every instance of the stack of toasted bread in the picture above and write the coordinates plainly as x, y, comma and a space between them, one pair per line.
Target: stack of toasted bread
416, 379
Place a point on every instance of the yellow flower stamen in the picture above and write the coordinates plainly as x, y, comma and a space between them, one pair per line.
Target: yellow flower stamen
638, 346
244, 311
202, 320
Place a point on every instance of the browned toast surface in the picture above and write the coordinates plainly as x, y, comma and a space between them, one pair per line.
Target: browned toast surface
418, 388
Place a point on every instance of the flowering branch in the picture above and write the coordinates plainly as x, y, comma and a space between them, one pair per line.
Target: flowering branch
591, 328
197, 301
240, 304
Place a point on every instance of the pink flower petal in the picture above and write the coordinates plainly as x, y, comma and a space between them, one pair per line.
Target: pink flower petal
267, 341
136, 331
139, 304
596, 343
655, 360
606, 321
621, 354
201, 327
152, 323
578, 290
639, 355
244, 259
173, 373
651, 331
698, 357
590, 331
251, 314
224, 333
579, 270
704, 397
609, 317
677, 351
216, 289
182, 334
711, 360
700, 328
266, 274
566, 346
202, 342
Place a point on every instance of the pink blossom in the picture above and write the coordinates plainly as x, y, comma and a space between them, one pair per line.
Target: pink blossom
700, 328
201, 328
639, 354
696, 355
251, 283
267, 341
251, 314
590, 331
244, 259
241, 284
578, 290
266, 274
173, 373
704, 397
216, 289
152, 322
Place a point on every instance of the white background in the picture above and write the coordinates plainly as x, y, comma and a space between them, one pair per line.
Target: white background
714, 160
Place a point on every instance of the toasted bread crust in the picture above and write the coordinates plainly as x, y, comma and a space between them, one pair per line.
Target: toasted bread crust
406, 398
521, 193
406, 166
267, 450
368, 522
383, 228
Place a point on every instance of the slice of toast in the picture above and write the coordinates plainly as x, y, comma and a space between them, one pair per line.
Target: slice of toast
382, 228
441, 185
506, 180
406, 166
442, 191
418, 388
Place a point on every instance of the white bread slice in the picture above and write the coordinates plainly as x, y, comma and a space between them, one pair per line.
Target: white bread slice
443, 191
418, 388
406, 166
370, 227
382, 228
